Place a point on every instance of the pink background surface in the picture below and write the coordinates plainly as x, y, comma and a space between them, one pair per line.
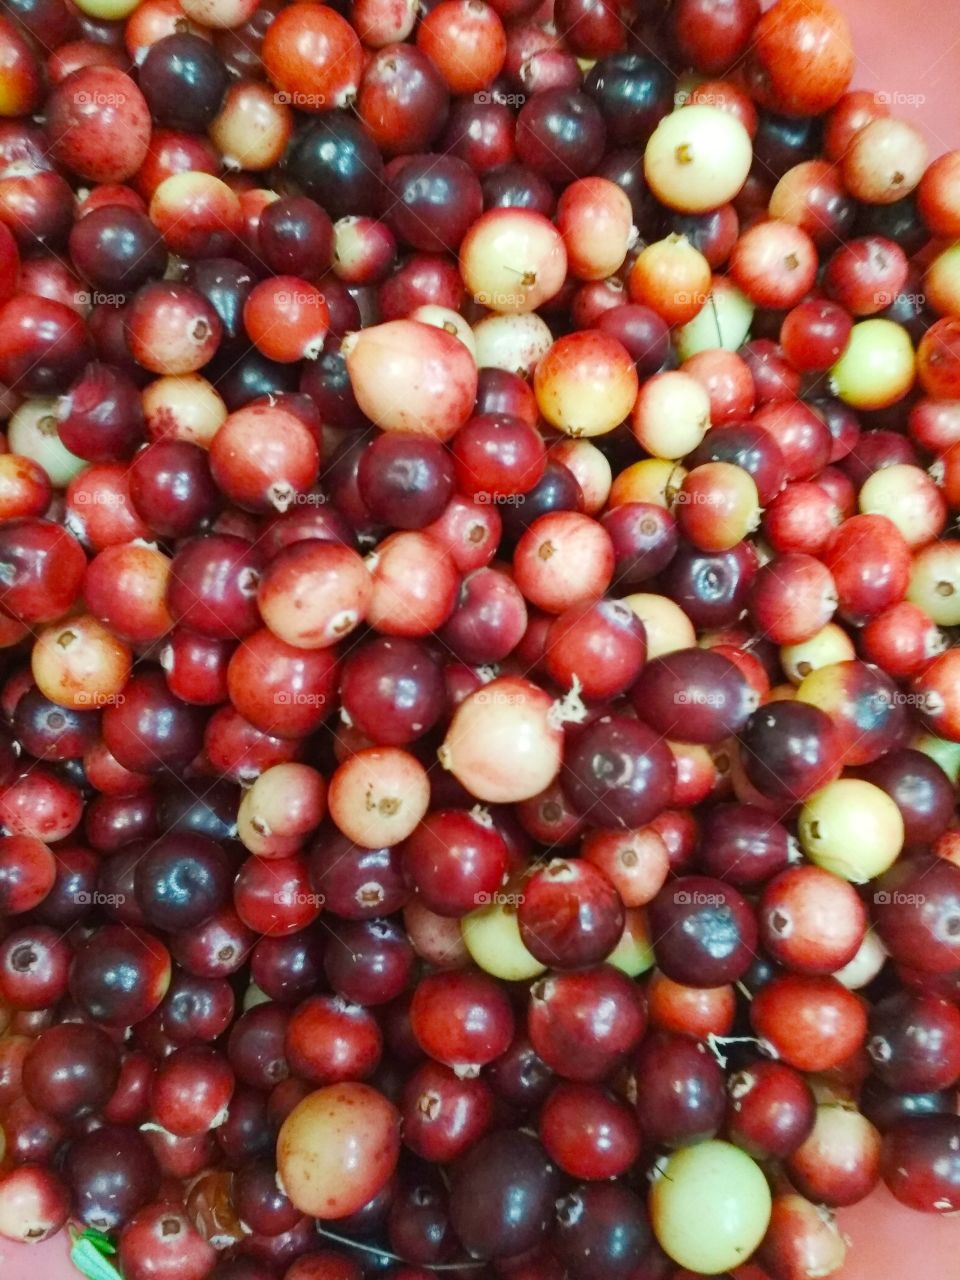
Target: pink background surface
910, 50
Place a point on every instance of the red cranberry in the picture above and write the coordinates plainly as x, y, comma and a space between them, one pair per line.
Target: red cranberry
120, 975
444, 1114
461, 1019
603, 1225
99, 124
71, 1071
33, 967
770, 1110
695, 695
27, 873
680, 1097
810, 920
112, 1173
584, 1023
160, 1243
588, 1132
705, 931
43, 344
369, 962
570, 914
502, 1196
790, 750
812, 1023
919, 1163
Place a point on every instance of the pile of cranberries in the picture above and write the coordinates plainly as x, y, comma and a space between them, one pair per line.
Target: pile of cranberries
478, 571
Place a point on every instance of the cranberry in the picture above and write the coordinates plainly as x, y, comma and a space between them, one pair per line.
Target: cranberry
196, 1008
919, 1162
44, 344
743, 845
913, 1042
172, 328
790, 750
120, 975
461, 1018
405, 481
705, 931
455, 860
34, 1204
588, 1132
839, 1162
112, 1174
674, 691
444, 1114
27, 873
466, 41
98, 123
181, 881
584, 1023
357, 1130
605, 1225
619, 770
150, 730
920, 789
680, 1098
368, 962
330, 1040
801, 1235
502, 1197
33, 967
811, 921
159, 1243
281, 689
813, 1023
191, 1090
644, 541
32, 1137
770, 1110
70, 1071
356, 883
557, 131
713, 36
598, 648
570, 914
116, 249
